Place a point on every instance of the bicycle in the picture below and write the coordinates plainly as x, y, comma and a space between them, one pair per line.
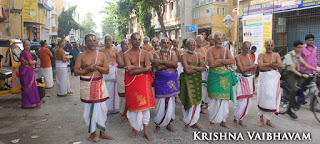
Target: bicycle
309, 88
315, 106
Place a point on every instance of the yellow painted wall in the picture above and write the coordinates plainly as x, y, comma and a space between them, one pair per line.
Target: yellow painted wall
59, 5
215, 21
14, 27
41, 15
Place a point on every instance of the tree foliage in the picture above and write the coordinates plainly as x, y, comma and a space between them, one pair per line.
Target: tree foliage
159, 7
109, 27
145, 17
120, 12
66, 22
88, 25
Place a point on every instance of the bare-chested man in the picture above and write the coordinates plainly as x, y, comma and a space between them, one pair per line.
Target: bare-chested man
245, 66
205, 43
178, 52
138, 80
90, 65
190, 90
202, 53
220, 82
166, 85
146, 46
111, 79
211, 42
156, 47
176, 49
62, 74
120, 78
269, 94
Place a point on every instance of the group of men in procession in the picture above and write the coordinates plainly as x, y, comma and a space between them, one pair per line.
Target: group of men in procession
138, 78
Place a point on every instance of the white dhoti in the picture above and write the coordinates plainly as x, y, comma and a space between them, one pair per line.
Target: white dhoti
62, 78
191, 116
179, 68
111, 83
138, 119
269, 94
204, 96
121, 89
242, 108
218, 110
164, 111
47, 74
123, 105
244, 96
95, 116
120, 80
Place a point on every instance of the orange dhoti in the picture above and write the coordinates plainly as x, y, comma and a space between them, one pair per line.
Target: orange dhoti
139, 97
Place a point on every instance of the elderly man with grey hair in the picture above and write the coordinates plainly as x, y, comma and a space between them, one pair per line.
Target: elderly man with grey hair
190, 84
219, 82
146, 46
202, 53
156, 47
111, 78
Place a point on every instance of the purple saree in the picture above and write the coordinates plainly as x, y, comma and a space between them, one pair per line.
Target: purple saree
30, 94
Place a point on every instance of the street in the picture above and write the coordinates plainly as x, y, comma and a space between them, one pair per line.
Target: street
60, 121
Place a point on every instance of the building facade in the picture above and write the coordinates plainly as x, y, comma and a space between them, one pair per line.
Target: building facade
209, 14
11, 20
171, 19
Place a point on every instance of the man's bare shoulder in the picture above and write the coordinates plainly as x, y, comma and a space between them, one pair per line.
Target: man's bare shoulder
184, 54
119, 53
237, 57
102, 54
277, 55
211, 49
261, 55
81, 55
143, 51
115, 49
128, 52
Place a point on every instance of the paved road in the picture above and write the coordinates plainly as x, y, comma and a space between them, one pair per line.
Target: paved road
65, 124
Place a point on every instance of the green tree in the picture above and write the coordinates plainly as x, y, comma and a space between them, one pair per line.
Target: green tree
145, 17
88, 25
109, 27
120, 12
159, 7
66, 22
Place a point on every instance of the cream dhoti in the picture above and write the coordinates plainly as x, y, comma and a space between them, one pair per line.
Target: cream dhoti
244, 96
93, 94
47, 74
111, 83
204, 95
269, 94
179, 68
121, 90
166, 88
219, 85
62, 78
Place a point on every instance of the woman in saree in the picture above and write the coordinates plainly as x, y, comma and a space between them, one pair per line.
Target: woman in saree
30, 94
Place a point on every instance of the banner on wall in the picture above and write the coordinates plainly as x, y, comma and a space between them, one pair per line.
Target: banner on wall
252, 7
30, 10
256, 29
